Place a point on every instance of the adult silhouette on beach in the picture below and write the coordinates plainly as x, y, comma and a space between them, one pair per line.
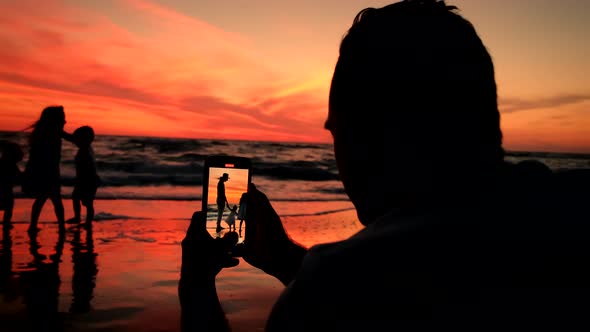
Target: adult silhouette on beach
452, 239
221, 200
10, 176
42, 178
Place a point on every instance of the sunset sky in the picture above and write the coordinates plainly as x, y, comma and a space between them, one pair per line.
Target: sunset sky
261, 69
234, 187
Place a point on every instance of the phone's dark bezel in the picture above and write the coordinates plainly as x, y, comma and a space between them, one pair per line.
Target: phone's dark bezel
221, 161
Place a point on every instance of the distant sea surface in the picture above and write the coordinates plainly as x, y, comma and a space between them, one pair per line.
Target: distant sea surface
155, 168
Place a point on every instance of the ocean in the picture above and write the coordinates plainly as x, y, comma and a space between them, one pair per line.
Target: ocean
157, 168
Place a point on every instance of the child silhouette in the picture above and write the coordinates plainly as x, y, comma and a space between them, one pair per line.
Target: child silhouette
231, 218
10, 175
87, 179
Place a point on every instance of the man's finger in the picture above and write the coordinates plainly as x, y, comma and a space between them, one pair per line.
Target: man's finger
227, 243
197, 230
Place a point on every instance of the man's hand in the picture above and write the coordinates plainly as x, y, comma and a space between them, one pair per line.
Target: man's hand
202, 255
266, 244
202, 258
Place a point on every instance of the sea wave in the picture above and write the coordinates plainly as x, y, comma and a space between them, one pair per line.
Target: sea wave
103, 216
320, 213
152, 161
148, 172
123, 236
185, 198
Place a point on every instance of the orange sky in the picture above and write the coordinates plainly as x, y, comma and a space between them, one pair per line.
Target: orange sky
260, 69
234, 187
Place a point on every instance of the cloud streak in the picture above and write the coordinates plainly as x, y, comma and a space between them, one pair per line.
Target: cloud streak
163, 64
511, 105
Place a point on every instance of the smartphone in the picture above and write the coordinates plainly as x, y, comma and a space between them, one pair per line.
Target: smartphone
225, 180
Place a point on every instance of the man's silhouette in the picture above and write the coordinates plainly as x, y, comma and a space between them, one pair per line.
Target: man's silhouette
455, 238
221, 200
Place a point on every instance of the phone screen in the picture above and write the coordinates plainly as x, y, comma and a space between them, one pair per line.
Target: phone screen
226, 179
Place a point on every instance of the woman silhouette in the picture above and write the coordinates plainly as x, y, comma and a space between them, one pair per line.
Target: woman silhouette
42, 174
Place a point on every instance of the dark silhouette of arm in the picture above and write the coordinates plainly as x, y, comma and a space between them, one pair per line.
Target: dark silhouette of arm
267, 244
202, 259
67, 136
200, 306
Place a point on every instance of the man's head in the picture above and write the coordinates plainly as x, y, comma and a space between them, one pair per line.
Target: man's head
413, 96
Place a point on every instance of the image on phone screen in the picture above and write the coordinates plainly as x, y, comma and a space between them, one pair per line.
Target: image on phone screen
225, 208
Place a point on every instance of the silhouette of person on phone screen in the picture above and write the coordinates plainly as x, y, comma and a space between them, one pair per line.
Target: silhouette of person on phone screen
221, 200
242, 212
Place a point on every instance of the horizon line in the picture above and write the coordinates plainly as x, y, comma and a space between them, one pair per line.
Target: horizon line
507, 151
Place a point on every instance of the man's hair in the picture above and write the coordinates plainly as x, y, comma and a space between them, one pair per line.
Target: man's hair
417, 71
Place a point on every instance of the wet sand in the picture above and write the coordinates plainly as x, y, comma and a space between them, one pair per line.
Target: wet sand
123, 275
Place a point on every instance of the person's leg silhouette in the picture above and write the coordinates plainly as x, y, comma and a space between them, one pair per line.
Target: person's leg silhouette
35, 212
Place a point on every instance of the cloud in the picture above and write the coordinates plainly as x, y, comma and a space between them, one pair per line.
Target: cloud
268, 114
96, 88
510, 105
136, 56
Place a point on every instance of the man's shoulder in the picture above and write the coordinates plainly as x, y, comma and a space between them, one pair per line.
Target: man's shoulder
343, 285
373, 248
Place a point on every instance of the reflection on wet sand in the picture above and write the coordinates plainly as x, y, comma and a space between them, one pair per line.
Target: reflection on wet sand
40, 286
123, 275
85, 270
30, 290
7, 287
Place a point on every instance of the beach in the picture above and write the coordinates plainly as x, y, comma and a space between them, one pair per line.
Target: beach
123, 276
